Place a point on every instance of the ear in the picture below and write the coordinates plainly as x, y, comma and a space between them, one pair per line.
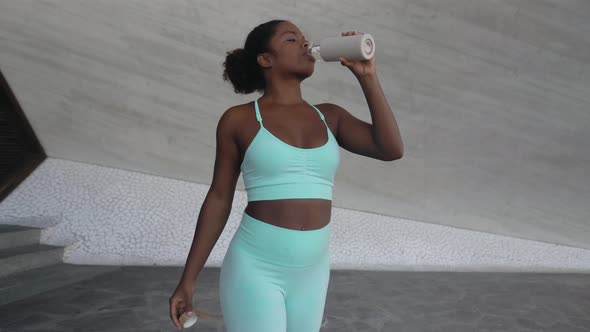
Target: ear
264, 60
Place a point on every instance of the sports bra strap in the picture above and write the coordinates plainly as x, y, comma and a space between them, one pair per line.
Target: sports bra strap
258, 116
321, 115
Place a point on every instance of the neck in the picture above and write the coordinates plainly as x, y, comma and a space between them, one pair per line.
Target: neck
283, 92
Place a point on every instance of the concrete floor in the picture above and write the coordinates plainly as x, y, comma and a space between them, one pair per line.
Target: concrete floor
116, 299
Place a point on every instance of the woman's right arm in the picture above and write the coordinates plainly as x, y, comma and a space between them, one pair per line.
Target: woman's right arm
217, 205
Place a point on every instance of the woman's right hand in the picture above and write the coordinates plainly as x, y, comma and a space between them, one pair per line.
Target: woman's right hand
181, 301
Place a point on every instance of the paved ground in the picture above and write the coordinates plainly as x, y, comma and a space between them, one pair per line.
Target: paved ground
100, 298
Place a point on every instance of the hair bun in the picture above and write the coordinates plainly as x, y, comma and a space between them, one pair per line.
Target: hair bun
241, 67
238, 70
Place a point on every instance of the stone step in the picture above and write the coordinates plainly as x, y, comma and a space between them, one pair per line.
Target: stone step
23, 258
28, 283
16, 236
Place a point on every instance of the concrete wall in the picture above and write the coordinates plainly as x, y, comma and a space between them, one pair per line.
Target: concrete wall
491, 96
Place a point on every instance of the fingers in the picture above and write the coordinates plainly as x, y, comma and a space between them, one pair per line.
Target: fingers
344, 61
352, 33
174, 314
189, 310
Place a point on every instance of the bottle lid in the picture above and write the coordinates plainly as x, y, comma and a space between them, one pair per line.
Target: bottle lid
368, 46
188, 321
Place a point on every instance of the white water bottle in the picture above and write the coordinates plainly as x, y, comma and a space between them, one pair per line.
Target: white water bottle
354, 47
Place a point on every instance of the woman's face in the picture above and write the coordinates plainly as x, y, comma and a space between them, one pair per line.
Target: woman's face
291, 54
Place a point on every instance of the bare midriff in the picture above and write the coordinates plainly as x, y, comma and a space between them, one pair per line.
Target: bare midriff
299, 213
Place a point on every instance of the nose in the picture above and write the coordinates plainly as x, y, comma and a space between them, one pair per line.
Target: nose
306, 44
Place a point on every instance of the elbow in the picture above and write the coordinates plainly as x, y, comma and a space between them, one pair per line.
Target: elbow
395, 152
222, 197
392, 157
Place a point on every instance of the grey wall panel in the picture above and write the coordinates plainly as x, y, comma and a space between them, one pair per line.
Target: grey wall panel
492, 98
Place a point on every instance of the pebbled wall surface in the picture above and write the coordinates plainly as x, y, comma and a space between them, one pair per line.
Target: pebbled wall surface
109, 216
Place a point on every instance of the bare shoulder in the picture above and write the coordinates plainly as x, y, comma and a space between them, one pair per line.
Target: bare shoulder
233, 116
235, 123
333, 114
330, 110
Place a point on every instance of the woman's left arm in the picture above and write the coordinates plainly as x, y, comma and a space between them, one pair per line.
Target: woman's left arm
382, 138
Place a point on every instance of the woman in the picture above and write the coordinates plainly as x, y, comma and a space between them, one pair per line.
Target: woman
275, 274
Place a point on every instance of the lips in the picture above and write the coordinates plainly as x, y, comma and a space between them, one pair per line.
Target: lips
308, 54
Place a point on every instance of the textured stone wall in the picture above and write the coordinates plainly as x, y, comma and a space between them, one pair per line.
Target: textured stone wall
116, 217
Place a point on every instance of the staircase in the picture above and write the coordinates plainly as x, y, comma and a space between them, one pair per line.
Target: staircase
20, 250
28, 268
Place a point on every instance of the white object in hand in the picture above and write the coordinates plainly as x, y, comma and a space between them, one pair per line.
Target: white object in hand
353, 47
188, 321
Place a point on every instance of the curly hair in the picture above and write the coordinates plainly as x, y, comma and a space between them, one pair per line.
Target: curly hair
241, 67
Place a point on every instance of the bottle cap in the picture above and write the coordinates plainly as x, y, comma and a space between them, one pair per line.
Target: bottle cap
186, 320
368, 46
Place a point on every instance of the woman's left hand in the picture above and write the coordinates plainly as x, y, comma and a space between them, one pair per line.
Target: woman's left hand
359, 68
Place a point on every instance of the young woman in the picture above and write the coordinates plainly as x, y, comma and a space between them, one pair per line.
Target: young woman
275, 274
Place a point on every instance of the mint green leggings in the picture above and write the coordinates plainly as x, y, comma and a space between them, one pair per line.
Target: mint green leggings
274, 279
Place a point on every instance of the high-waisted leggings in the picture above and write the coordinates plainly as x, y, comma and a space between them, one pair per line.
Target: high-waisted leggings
274, 279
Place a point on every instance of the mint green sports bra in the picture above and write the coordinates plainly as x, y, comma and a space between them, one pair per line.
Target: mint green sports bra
273, 169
